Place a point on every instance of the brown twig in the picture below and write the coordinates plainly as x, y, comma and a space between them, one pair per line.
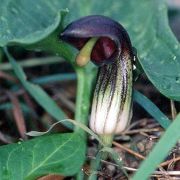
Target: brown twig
142, 157
170, 173
8, 77
18, 115
173, 109
170, 161
135, 131
128, 150
51, 177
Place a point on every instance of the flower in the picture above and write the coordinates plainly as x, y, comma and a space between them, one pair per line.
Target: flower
112, 51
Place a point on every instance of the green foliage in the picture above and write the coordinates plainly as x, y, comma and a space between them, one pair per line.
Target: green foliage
37, 92
152, 109
147, 24
59, 153
157, 47
37, 23
26, 21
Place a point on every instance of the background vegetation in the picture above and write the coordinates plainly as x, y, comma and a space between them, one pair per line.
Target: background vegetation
38, 76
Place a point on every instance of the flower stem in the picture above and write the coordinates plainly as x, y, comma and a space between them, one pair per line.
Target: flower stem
107, 139
101, 155
84, 90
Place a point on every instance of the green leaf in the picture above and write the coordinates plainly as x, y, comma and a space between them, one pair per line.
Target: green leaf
158, 49
38, 93
152, 109
160, 151
147, 24
26, 22
59, 154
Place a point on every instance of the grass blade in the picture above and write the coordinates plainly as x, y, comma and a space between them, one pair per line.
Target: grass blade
38, 93
152, 109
